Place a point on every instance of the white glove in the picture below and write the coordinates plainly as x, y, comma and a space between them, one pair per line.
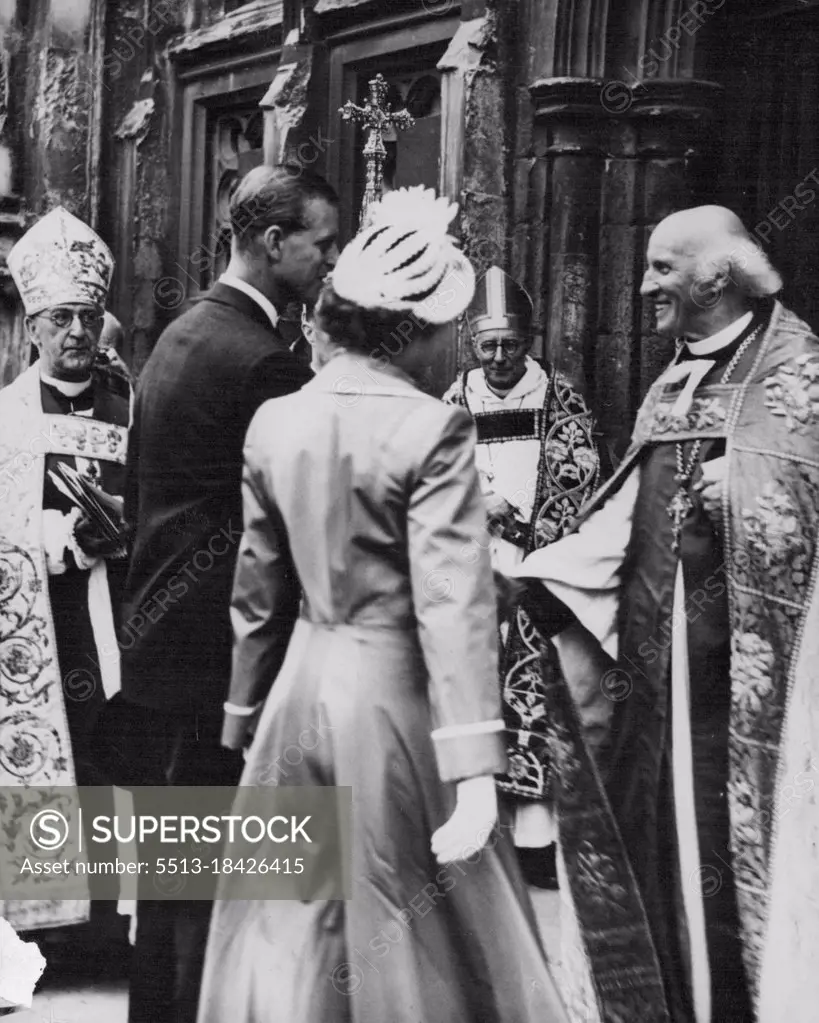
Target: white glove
472, 821
498, 507
58, 537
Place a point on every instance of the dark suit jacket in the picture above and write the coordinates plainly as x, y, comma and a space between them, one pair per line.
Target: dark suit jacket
210, 371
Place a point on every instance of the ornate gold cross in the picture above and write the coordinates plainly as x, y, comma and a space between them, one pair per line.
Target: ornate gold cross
375, 117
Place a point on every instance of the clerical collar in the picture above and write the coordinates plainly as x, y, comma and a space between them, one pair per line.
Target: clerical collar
254, 293
722, 339
70, 388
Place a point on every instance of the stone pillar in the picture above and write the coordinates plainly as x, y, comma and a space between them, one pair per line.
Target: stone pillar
613, 162
673, 136
603, 151
567, 119
658, 154
7, 155
63, 105
477, 224
295, 106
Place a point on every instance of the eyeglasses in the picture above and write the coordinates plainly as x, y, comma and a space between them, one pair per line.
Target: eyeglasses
508, 346
63, 318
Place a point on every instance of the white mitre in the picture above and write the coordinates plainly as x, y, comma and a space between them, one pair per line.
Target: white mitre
61, 260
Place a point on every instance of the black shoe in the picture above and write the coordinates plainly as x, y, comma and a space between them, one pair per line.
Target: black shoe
539, 866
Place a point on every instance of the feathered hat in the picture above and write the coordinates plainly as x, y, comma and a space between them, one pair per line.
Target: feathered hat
60, 260
500, 303
404, 260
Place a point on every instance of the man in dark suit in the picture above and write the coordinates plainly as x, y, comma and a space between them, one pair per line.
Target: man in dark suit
210, 371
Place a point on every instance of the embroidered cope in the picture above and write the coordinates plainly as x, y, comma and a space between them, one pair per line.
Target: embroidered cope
726, 632
535, 449
35, 743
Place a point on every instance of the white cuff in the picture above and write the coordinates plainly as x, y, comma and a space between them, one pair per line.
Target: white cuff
239, 711
474, 728
83, 561
57, 535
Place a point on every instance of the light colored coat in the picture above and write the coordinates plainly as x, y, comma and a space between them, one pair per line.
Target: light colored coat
365, 490
365, 487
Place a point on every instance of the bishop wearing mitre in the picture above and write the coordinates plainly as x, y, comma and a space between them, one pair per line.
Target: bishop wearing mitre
538, 463
63, 432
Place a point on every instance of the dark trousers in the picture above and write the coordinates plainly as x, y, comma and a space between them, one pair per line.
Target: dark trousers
171, 936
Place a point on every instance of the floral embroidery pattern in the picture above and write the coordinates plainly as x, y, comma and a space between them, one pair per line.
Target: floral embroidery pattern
793, 393
773, 529
567, 477
87, 438
30, 748
561, 514
518, 767
600, 880
23, 639
703, 414
570, 458
747, 821
752, 664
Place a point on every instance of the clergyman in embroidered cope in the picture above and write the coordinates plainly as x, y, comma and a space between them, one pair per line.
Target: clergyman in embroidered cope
538, 465
59, 658
710, 772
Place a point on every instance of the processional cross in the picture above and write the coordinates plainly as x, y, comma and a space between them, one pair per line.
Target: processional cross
376, 118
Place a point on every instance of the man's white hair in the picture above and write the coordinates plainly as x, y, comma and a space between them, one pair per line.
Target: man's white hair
721, 243
746, 264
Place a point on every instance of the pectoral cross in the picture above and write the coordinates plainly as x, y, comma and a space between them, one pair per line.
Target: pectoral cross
678, 508
376, 118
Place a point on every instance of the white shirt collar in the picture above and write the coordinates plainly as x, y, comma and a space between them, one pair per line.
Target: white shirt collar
530, 381
722, 338
70, 388
254, 293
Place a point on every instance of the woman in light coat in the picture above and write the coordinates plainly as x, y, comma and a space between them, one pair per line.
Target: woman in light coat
362, 490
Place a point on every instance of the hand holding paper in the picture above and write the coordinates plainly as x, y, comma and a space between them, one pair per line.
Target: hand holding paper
95, 543
101, 530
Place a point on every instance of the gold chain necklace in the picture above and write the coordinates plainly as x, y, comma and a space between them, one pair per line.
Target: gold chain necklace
681, 504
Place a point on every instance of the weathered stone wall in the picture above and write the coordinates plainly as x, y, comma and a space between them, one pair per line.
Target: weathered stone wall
88, 121
479, 136
489, 135
138, 124
61, 105
147, 46
50, 52
582, 123
76, 67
